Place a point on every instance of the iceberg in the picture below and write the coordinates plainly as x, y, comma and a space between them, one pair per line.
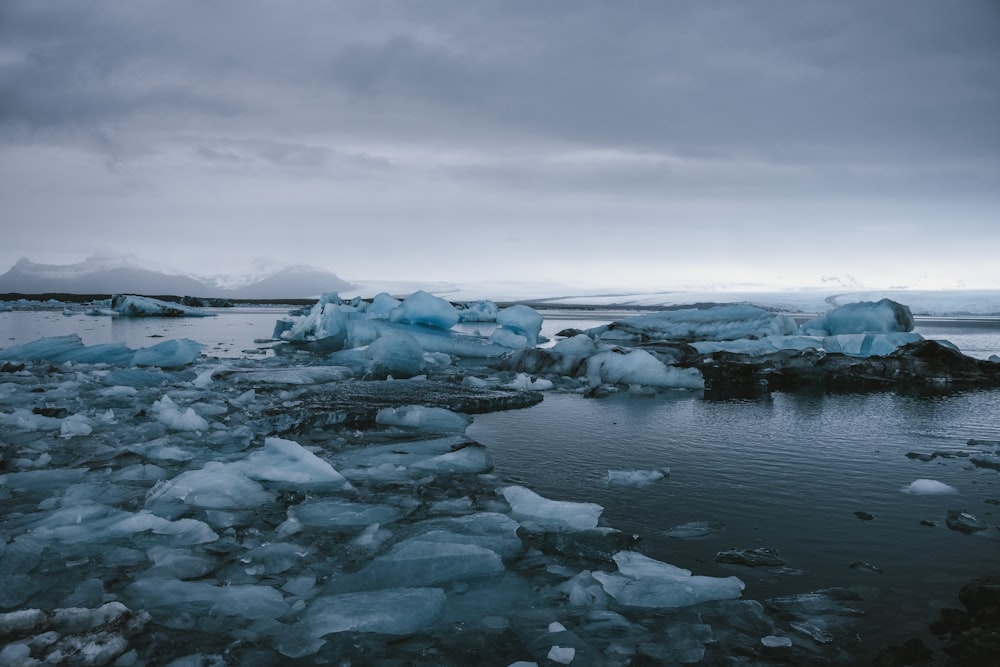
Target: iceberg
885, 316
708, 322
636, 477
127, 305
519, 327
63, 349
287, 461
426, 309
644, 582
642, 368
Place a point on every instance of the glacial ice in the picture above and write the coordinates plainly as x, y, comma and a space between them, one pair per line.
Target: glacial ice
166, 487
519, 327
425, 308
636, 477
287, 461
713, 322
885, 316
644, 582
642, 368
127, 305
929, 487
526, 505
62, 349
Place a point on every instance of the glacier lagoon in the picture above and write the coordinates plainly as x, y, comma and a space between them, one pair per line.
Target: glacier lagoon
288, 575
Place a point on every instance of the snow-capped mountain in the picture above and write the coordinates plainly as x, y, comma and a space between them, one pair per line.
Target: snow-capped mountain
117, 274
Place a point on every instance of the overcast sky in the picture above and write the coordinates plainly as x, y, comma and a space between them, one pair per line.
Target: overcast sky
646, 144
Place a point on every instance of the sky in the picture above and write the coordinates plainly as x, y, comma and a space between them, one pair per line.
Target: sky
653, 145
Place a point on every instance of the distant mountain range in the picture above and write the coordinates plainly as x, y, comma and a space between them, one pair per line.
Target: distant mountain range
103, 274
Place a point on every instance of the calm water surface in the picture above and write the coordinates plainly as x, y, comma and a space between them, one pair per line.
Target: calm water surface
786, 472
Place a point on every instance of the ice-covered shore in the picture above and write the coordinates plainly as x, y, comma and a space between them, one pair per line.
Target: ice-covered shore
246, 512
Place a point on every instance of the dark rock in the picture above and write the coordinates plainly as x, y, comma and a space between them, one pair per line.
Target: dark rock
359, 401
912, 652
929, 524
964, 522
864, 516
11, 368
758, 557
924, 364
982, 599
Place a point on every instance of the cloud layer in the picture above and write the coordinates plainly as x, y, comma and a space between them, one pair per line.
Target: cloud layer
636, 143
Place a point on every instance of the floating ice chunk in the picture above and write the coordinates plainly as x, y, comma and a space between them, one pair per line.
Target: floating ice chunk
288, 461
51, 480
862, 317
416, 562
427, 309
295, 375
395, 611
75, 425
519, 327
397, 353
216, 486
772, 641
421, 418
694, 529
472, 458
326, 321
636, 477
169, 353
642, 368
523, 382
491, 530
556, 514
25, 420
433, 339
712, 322
928, 487
170, 415
333, 513
561, 654
383, 304
178, 563
273, 558
869, 344
127, 305
644, 582
165, 597
478, 311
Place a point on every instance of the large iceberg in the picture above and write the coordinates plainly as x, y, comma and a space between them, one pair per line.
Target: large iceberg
60, 349
885, 316
127, 305
706, 322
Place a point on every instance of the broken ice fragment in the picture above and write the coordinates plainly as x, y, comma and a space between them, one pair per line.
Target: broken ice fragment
526, 505
644, 582
964, 522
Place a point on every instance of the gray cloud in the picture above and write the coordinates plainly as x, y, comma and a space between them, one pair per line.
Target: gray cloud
222, 118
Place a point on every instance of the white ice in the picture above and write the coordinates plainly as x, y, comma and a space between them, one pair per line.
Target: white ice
143, 306
636, 477
641, 368
287, 461
928, 487
526, 505
644, 582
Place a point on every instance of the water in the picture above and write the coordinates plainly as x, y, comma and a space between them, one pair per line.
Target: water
786, 471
